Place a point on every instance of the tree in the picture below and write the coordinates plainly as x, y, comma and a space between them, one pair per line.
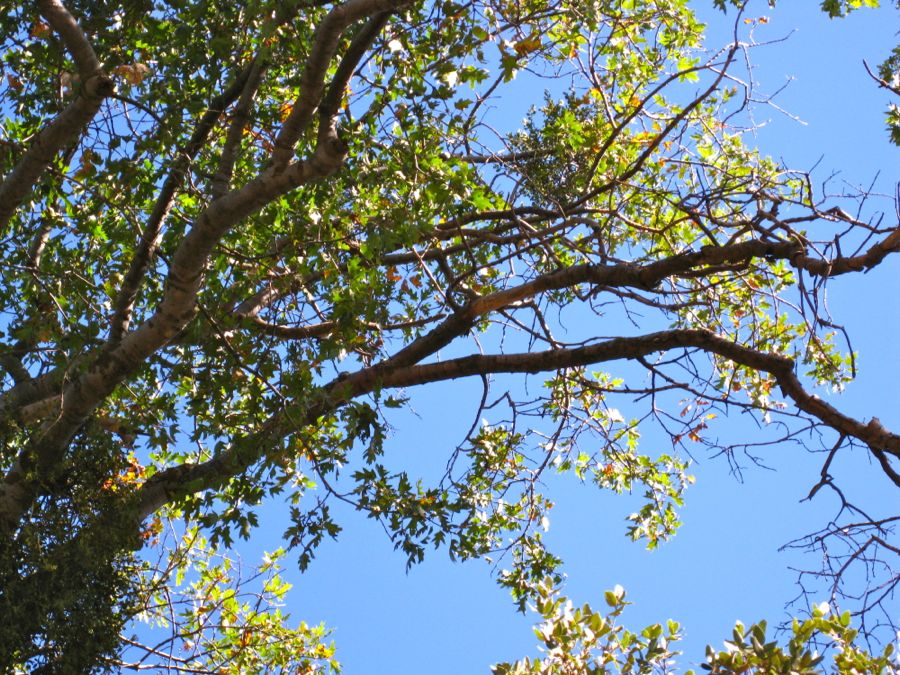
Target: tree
236, 237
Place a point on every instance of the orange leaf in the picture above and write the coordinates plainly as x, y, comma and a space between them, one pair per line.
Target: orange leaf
40, 30
132, 73
530, 44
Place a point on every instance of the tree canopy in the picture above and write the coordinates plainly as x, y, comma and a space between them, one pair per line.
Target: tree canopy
237, 237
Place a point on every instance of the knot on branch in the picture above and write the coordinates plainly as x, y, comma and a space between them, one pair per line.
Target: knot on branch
329, 156
877, 436
649, 279
797, 255
100, 85
778, 365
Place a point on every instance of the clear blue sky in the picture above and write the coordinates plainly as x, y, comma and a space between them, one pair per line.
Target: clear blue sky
445, 618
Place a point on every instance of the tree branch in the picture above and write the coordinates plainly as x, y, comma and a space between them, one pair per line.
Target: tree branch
72, 36
149, 241
312, 84
360, 44
172, 484
660, 137
882, 83
326, 328
246, 82
96, 86
221, 182
858, 263
42, 454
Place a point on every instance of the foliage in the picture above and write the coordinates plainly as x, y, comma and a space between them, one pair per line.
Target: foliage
237, 237
213, 616
585, 641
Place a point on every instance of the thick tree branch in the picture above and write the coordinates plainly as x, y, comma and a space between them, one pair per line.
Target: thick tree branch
221, 182
20, 181
29, 392
96, 86
647, 276
41, 456
360, 44
872, 433
844, 264
13, 365
639, 276
324, 46
245, 84
135, 338
72, 36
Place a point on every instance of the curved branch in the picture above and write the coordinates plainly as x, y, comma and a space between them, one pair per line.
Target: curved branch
647, 276
881, 82
873, 256
312, 84
72, 36
42, 455
67, 126
360, 44
221, 181
172, 484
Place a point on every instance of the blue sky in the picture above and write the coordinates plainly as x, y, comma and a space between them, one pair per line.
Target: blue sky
724, 564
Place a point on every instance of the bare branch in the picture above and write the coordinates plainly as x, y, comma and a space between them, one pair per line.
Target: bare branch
172, 484
858, 263
881, 83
